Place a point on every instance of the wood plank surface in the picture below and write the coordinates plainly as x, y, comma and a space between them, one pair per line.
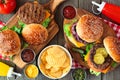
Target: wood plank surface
59, 38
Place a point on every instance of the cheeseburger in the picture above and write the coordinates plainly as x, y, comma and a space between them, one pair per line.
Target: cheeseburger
87, 29
98, 59
35, 19
103, 58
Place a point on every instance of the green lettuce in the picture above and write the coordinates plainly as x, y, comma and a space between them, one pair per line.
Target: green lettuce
46, 22
67, 30
67, 26
88, 47
114, 64
4, 28
94, 72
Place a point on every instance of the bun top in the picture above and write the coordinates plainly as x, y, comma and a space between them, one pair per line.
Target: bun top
89, 28
9, 43
112, 45
34, 34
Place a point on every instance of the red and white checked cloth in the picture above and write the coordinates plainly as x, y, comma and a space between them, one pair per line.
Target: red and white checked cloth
75, 64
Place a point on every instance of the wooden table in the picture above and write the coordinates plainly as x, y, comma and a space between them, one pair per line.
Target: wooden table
59, 39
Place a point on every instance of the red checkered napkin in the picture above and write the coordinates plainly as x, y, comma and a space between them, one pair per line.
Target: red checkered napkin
115, 27
75, 64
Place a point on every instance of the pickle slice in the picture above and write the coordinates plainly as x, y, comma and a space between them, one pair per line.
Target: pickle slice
102, 51
99, 59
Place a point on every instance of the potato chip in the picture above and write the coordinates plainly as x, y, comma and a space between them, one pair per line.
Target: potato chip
56, 51
47, 66
56, 62
67, 62
42, 68
65, 70
50, 60
43, 59
56, 74
54, 69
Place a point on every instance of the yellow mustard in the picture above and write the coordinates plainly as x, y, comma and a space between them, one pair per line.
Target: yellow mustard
4, 69
31, 71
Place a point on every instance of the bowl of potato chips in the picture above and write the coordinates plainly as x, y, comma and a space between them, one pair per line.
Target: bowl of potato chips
55, 62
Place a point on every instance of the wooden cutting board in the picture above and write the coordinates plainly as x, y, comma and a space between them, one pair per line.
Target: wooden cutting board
108, 31
52, 31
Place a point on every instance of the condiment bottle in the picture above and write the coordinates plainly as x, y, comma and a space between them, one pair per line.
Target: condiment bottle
110, 10
6, 70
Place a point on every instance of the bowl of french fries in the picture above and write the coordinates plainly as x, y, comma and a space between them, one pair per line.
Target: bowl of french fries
54, 62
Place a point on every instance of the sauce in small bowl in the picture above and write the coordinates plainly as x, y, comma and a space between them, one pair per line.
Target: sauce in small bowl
79, 74
28, 55
31, 71
69, 12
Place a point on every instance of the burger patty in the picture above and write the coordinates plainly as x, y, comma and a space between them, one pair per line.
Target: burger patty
31, 13
73, 30
107, 62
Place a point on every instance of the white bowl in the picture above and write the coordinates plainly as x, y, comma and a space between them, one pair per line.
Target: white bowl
67, 52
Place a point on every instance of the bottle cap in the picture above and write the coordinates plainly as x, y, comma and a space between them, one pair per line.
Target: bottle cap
100, 7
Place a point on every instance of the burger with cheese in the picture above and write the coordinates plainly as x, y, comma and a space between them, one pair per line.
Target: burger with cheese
103, 58
87, 29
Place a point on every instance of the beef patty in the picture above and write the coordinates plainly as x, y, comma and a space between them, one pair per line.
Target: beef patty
31, 13
108, 59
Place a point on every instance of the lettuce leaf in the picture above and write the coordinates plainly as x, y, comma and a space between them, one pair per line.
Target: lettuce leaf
114, 64
4, 28
67, 30
88, 47
67, 26
46, 22
20, 23
16, 29
25, 44
94, 72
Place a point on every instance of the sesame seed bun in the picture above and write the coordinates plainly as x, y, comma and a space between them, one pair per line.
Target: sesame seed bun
34, 34
9, 43
112, 45
89, 28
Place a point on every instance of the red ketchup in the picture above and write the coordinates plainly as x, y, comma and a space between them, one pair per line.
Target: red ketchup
110, 10
69, 12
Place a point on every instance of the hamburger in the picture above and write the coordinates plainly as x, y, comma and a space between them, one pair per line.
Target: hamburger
112, 45
35, 19
9, 43
103, 58
87, 29
98, 59
34, 34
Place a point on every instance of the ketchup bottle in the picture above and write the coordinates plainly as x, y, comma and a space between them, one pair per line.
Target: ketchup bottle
110, 10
